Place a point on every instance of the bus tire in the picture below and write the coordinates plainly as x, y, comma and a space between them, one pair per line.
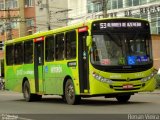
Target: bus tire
123, 98
27, 93
70, 96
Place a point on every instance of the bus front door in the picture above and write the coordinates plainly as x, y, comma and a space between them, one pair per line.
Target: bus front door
83, 63
38, 65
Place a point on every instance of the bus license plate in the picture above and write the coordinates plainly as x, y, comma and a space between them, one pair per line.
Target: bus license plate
127, 86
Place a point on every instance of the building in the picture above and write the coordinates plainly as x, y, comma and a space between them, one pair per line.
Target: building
24, 17
156, 50
145, 9
19, 18
51, 14
90, 9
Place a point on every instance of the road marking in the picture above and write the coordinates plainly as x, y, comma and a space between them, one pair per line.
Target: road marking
12, 117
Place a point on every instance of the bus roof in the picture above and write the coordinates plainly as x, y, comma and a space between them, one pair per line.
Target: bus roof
62, 29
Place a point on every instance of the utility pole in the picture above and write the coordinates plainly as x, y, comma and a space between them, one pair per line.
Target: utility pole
7, 17
104, 6
22, 22
9, 27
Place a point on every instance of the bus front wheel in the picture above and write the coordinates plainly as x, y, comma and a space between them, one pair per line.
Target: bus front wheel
26, 92
70, 96
123, 98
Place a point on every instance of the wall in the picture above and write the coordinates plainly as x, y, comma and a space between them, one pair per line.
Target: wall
156, 50
56, 14
78, 12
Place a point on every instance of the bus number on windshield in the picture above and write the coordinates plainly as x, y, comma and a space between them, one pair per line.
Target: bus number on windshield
103, 25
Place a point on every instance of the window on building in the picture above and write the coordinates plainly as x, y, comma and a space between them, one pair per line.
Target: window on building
59, 42
15, 3
29, 3
97, 7
11, 4
135, 2
49, 48
153, 0
14, 25
94, 6
28, 52
9, 54
6, 5
120, 3
143, 2
109, 5
71, 45
1, 5
154, 23
30, 22
18, 53
90, 7
114, 4
128, 3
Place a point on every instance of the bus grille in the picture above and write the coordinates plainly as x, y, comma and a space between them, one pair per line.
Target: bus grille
124, 80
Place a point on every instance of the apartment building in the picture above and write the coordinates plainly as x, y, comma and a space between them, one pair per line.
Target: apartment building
24, 17
145, 9
92, 9
51, 14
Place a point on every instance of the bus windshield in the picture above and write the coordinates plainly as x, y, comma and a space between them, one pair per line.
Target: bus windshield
112, 48
120, 49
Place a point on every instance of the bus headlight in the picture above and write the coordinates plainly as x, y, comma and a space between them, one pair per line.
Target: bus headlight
101, 79
148, 77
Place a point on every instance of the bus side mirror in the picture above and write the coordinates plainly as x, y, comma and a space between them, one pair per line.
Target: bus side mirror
88, 41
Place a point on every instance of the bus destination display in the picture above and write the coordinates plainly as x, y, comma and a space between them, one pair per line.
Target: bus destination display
102, 25
120, 24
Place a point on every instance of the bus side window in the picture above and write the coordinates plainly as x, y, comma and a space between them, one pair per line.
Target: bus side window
18, 53
71, 45
49, 48
9, 54
59, 44
28, 52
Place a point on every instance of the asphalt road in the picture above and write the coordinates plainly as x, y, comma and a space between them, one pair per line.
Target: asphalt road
12, 103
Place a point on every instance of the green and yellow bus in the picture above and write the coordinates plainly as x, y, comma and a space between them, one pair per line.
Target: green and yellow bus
103, 57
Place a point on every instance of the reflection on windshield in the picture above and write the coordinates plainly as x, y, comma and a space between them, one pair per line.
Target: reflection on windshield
120, 49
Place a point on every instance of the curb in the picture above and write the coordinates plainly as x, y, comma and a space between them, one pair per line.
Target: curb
154, 92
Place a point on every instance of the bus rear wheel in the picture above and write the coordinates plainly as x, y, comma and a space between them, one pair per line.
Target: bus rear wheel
70, 96
26, 92
123, 98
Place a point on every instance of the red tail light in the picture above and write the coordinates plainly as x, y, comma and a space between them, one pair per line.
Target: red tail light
83, 29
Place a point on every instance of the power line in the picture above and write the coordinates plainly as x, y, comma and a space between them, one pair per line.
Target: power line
8, 19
